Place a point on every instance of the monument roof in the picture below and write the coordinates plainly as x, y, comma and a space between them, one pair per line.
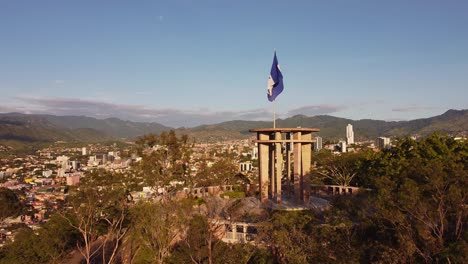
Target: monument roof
285, 130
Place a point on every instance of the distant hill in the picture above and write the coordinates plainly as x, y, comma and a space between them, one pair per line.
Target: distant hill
111, 126
451, 122
37, 129
333, 128
49, 128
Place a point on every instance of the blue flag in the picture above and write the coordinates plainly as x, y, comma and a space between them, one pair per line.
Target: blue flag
275, 82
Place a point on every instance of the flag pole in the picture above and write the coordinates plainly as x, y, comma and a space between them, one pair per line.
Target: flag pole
274, 114
274, 107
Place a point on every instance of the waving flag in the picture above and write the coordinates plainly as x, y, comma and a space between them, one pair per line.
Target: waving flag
275, 82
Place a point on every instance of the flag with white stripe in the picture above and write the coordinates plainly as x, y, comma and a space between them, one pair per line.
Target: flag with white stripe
275, 81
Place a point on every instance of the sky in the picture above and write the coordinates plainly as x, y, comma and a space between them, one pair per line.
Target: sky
191, 62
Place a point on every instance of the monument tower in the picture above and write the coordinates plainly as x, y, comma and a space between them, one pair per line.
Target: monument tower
283, 149
284, 152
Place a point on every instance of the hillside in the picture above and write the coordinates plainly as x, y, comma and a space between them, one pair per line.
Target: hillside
49, 128
35, 129
112, 126
452, 122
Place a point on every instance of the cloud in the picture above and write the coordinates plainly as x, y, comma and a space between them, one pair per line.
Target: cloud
311, 110
395, 119
167, 116
413, 108
4, 109
59, 81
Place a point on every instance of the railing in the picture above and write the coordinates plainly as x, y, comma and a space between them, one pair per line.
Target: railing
329, 190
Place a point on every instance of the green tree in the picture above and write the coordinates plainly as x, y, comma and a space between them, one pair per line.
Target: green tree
193, 248
202, 244
156, 228
164, 158
339, 170
222, 172
420, 200
10, 205
56, 238
24, 249
52, 241
287, 235
99, 208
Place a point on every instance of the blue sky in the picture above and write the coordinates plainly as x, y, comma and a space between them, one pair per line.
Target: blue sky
184, 63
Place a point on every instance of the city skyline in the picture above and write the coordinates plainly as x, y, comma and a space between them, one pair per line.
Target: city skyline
184, 63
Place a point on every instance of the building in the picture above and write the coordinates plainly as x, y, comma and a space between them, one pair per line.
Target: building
383, 143
349, 134
84, 151
245, 166
47, 173
62, 161
73, 179
74, 164
235, 232
254, 153
342, 146
318, 144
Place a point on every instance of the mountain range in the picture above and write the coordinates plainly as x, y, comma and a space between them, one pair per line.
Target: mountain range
50, 128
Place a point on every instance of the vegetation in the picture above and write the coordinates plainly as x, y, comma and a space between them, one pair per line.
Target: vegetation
223, 172
339, 170
47, 128
234, 195
99, 209
452, 122
165, 159
10, 205
415, 213
49, 245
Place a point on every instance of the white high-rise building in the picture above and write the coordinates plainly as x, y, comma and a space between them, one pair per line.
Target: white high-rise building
84, 151
349, 134
318, 144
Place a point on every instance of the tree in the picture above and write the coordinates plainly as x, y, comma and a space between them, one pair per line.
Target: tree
339, 170
202, 244
56, 238
24, 249
99, 208
420, 199
223, 172
287, 235
193, 248
52, 241
157, 227
10, 205
164, 158
415, 213
337, 235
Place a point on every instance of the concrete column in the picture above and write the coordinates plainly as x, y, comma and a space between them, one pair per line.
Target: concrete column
288, 166
279, 167
306, 164
272, 178
263, 165
244, 232
297, 167
234, 231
